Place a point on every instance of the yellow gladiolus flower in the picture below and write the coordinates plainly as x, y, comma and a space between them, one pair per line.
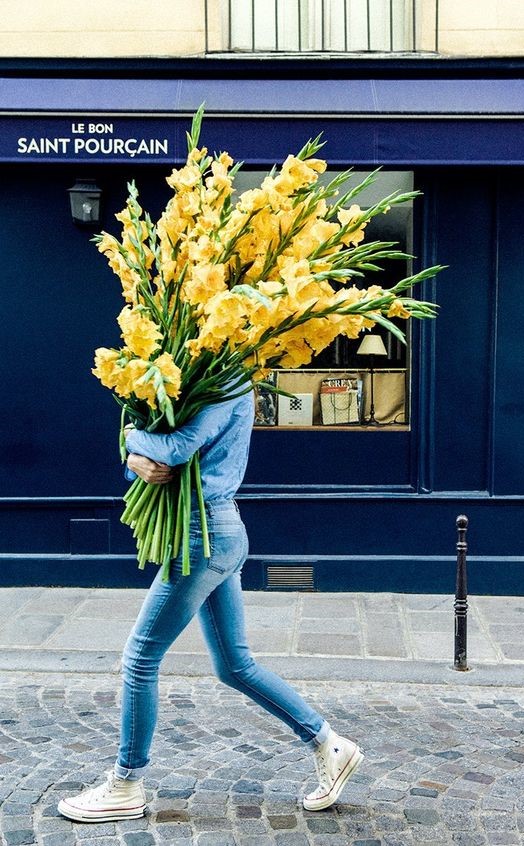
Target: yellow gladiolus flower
348, 296
106, 367
203, 249
108, 244
353, 324
350, 216
129, 278
205, 281
226, 309
396, 309
227, 320
112, 368
264, 229
371, 293
220, 180
297, 353
125, 217
319, 333
171, 374
252, 200
300, 173
323, 230
318, 165
171, 226
270, 287
186, 178
195, 155
140, 375
225, 159
139, 332
206, 340
189, 204
294, 274
127, 376
208, 220
169, 270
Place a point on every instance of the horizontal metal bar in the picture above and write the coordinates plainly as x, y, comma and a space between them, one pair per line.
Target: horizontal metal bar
81, 501
279, 115
273, 560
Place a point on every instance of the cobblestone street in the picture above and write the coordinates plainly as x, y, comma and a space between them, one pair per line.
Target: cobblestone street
443, 764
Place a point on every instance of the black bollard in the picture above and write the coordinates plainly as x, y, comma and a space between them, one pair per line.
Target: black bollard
461, 598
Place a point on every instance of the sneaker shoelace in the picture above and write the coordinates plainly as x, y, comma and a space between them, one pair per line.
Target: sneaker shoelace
102, 790
321, 768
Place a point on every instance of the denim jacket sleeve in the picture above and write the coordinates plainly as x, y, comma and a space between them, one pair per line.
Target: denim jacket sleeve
129, 474
180, 445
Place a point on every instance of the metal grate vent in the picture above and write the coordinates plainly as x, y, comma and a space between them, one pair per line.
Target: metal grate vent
290, 578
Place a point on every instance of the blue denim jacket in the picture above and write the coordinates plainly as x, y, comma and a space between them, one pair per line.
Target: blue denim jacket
221, 431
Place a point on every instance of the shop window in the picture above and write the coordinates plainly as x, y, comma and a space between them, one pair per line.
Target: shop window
304, 26
335, 388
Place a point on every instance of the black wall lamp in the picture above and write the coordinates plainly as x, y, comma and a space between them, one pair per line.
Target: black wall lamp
84, 197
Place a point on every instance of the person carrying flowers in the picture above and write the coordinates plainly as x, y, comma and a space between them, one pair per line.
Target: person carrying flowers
217, 294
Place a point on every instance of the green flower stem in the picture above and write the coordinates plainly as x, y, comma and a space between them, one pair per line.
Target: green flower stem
127, 517
141, 501
201, 505
186, 484
179, 520
138, 500
168, 536
157, 534
166, 563
122, 437
141, 553
144, 516
132, 489
142, 557
148, 536
133, 494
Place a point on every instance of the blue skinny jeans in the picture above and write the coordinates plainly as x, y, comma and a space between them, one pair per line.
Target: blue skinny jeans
213, 591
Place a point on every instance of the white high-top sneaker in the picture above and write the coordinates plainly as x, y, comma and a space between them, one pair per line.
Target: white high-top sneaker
335, 761
116, 799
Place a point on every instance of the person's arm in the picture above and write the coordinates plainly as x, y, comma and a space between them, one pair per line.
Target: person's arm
180, 445
150, 471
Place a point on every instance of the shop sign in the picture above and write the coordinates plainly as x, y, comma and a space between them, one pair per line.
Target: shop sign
86, 140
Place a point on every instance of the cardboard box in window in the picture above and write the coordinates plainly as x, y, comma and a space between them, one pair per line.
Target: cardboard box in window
296, 410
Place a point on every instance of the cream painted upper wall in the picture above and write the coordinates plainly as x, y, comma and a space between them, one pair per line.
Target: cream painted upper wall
101, 28
480, 28
69, 28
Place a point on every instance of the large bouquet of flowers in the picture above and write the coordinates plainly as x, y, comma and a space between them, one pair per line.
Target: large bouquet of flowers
220, 291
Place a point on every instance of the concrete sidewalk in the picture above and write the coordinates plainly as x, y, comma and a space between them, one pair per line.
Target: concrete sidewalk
345, 636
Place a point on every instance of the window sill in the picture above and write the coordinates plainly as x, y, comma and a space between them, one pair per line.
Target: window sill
353, 427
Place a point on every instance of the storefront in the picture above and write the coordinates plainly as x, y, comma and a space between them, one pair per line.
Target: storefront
329, 505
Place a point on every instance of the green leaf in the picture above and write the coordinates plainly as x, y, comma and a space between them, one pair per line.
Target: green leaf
196, 124
311, 147
387, 324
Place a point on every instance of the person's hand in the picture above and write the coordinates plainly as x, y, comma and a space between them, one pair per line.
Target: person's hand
128, 428
150, 471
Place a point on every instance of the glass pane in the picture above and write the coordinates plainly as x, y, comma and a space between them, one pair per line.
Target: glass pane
337, 387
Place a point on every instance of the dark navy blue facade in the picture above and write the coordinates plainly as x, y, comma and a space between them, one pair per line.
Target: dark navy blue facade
369, 510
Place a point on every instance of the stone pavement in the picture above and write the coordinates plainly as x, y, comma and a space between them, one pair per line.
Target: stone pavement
444, 750
382, 636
